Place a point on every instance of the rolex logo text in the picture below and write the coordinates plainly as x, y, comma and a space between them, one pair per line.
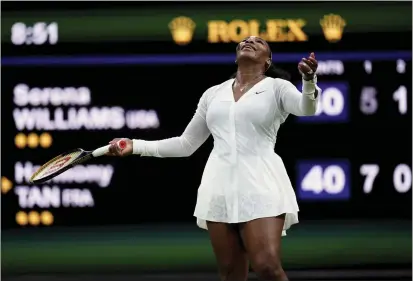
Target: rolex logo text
274, 30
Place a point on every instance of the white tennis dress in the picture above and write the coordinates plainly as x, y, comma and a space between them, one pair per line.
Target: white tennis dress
244, 179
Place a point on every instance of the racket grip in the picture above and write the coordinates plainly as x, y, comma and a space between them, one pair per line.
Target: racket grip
105, 149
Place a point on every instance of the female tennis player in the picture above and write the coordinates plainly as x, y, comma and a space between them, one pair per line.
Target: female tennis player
245, 199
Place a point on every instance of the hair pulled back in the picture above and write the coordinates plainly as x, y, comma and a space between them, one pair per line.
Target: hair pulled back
272, 71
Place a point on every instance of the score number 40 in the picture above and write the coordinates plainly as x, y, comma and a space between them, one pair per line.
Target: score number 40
323, 180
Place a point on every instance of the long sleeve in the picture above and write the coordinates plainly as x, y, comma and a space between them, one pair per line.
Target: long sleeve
195, 134
299, 104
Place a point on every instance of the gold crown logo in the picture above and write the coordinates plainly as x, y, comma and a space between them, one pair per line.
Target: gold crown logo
182, 29
333, 26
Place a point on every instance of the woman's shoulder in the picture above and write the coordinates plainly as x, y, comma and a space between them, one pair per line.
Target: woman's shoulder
279, 84
222, 85
216, 88
278, 81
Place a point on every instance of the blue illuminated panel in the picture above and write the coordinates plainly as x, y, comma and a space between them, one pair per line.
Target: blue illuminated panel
323, 180
333, 104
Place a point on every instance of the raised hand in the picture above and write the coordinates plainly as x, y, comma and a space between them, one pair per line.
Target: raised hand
308, 67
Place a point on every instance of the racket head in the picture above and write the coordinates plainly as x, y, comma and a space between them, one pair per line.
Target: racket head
58, 165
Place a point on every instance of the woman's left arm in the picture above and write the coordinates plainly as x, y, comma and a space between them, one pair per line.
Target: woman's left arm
304, 103
299, 104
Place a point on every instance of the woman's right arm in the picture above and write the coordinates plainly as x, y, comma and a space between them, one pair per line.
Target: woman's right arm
195, 134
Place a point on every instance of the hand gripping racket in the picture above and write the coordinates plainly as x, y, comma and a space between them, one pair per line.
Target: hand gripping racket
67, 160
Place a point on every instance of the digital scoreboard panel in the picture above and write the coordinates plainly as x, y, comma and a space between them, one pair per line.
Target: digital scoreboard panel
352, 159
65, 87
65, 28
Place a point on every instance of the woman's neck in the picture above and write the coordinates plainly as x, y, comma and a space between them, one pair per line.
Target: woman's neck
248, 73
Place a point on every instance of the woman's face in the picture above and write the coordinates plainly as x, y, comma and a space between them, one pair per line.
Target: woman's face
253, 48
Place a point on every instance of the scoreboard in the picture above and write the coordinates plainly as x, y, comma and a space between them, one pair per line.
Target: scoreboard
360, 137
351, 160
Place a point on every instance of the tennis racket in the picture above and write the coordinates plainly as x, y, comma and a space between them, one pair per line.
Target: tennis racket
67, 160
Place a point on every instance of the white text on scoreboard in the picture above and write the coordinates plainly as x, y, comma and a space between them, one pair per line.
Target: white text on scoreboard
53, 197
100, 175
333, 104
323, 180
331, 179
69, 108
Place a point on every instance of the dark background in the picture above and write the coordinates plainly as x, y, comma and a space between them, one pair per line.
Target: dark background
150, 198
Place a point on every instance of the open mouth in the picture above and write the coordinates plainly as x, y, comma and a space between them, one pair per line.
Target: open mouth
248, 47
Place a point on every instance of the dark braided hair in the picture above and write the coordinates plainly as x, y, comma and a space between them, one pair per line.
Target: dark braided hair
272, 71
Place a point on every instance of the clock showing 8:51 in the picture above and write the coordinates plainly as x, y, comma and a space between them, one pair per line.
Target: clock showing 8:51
38, 34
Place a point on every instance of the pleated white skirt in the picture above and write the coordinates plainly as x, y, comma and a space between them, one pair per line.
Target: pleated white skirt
253, 187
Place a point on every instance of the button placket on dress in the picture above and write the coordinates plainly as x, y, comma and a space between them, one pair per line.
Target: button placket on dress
234, 156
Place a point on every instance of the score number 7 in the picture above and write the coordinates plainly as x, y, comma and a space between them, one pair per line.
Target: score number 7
370, 171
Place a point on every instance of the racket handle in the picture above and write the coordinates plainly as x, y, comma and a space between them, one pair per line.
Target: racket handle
101, 151
105, 149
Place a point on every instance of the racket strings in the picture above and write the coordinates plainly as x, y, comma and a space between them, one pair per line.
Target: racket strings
55, 165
